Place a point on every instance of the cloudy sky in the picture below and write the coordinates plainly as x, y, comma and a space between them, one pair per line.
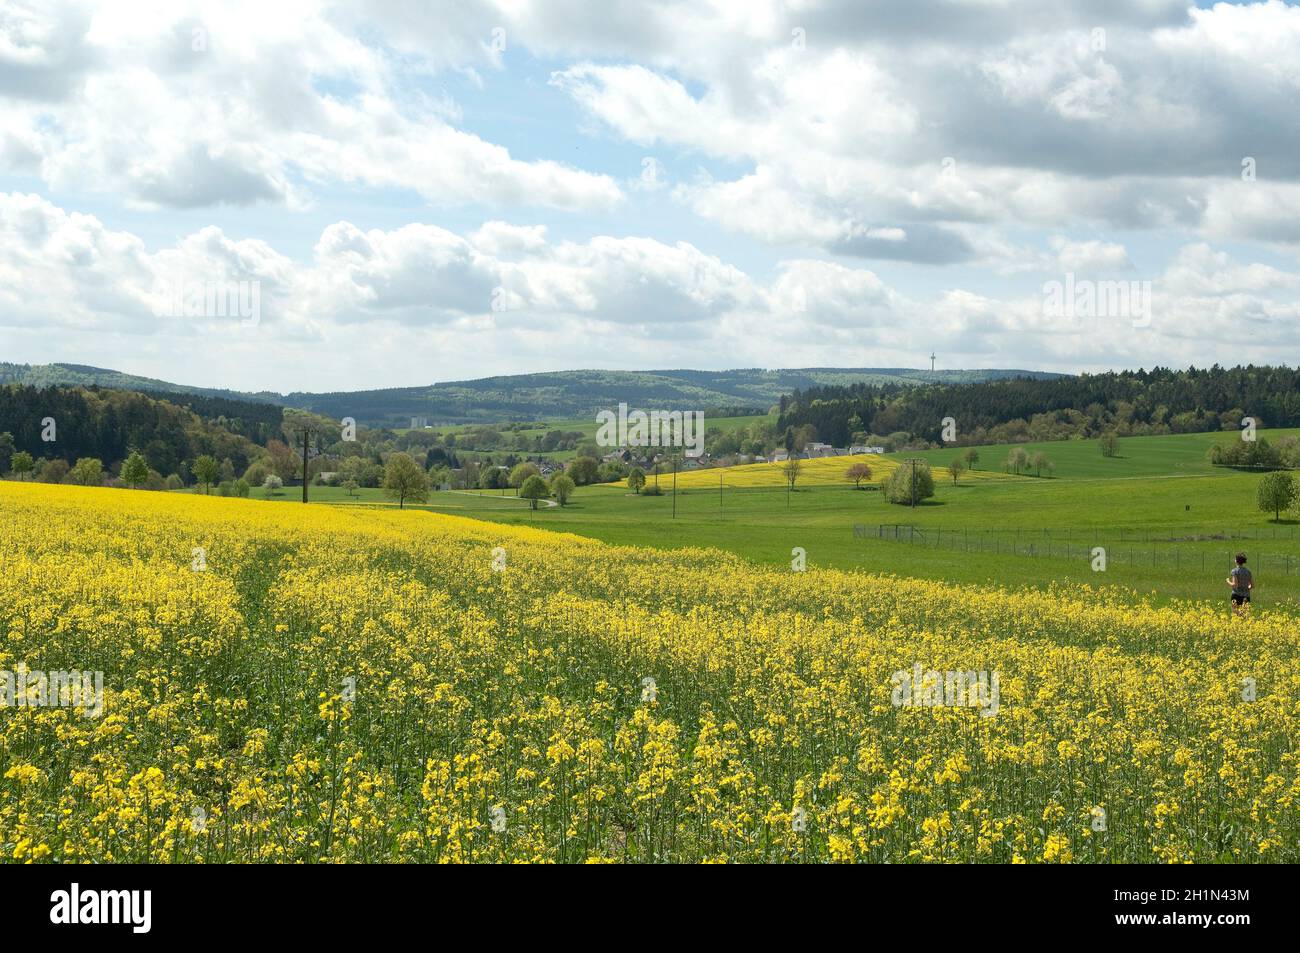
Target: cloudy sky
439, 191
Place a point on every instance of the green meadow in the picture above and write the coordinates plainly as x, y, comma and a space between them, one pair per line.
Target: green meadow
1168, 521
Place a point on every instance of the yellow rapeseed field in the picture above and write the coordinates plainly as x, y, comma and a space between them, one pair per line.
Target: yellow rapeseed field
822, 471
323, 684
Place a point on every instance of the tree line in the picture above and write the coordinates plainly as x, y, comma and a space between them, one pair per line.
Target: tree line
67, 424
1020, 410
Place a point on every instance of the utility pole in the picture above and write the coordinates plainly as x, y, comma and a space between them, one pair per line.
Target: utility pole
305, 436
914, 483
719, 493
674, 486
310, 428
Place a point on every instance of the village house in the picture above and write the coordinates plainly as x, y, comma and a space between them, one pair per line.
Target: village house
624, 456
817, 450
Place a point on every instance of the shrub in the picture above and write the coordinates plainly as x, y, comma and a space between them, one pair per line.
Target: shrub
910, 483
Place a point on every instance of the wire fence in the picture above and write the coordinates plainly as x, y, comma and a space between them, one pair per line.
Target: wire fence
1132, 547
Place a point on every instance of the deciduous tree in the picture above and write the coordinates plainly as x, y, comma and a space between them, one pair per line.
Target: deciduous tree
1277, 491
561, 487
404, 479
534, 489
206, 471
135, 470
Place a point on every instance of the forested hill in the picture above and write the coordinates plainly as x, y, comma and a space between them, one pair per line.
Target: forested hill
1006, 411
573, 394
84, 375
106, 424
550, 396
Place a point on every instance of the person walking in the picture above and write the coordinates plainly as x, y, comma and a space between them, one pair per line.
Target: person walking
1242, 582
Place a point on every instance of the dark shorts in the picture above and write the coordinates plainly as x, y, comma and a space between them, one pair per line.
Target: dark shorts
1239, 597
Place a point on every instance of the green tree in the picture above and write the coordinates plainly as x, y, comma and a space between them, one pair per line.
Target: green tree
1277, 491
54, 471
493, 478
636, 480
805, 435
7, 449
206, 471
404, 479
1040, 463
521, 473
1110, 444
956, 468
534, 489
1017, 460
350, 486
88, 471
256, 473
561, 487
610, 472
439, 477
910, 483
135, 470
972, 458
272, 484
583, 470
22, 464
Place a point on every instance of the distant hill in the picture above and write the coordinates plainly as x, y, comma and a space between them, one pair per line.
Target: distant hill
68, 375
570, 394
555, 395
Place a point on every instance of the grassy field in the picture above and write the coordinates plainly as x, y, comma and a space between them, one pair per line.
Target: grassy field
1174, 455
1168, 521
